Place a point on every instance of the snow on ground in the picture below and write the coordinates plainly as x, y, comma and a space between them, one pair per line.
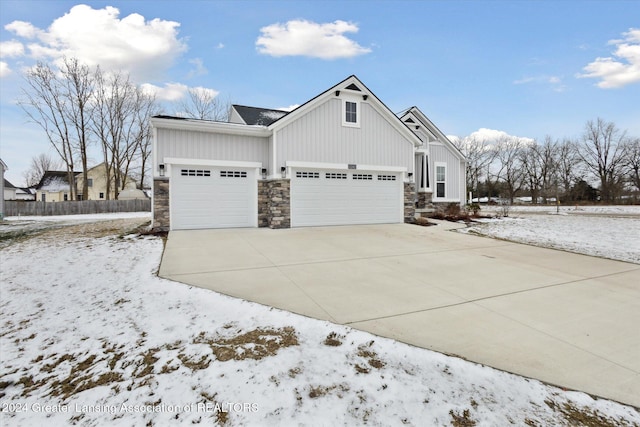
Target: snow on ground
608, 232
91, 336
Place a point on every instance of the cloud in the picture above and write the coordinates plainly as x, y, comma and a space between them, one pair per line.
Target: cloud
555, 82
490, 137
622, 70
220, 46
306, 38
198, 68
170, 91
289, 108
99, 36
4, 69
11, 49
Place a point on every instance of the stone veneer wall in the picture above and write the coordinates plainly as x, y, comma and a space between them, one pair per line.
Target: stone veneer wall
278, 203
263, 203
161, 218
424, 200
409, 202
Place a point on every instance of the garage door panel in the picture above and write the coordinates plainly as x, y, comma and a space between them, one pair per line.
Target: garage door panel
213, 197
337, 198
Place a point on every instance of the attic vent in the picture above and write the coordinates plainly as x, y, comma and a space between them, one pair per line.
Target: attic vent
352, 86
409, 120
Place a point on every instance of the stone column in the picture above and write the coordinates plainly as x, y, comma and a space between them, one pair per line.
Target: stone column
161, 214
409, 203
279, 203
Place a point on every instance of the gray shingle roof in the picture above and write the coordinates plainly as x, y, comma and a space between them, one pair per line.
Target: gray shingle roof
259, 116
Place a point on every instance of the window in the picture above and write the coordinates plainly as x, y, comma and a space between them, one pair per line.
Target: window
66, 197
424, 172
102, 195
351, 113
362, 176
43, 197
386, 177
332, 175
441, 174
307, 174
90, 182
195, 172
232, 174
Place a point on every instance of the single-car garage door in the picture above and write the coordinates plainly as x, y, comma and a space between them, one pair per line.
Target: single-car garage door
339, 197
213, 197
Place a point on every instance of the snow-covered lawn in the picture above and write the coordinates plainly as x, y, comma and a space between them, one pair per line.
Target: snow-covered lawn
605, 231
91, 336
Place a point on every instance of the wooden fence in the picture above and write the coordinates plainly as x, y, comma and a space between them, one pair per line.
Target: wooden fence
27, 208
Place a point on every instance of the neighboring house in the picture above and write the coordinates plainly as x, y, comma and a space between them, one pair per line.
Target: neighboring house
341, 158
97, 180
3, 167
9, 192
440, 166
54, 185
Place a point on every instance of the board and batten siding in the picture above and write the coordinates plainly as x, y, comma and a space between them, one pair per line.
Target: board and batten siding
440, 153
210, 146
319, 136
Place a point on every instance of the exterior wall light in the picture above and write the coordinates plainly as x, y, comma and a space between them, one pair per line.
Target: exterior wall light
161, 167
283, 171
337, 93
410, 176
364, 97
264, 173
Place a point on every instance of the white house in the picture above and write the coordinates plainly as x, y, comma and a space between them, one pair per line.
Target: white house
3, 167
341, 158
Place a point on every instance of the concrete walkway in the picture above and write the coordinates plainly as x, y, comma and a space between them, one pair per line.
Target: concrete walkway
567, 319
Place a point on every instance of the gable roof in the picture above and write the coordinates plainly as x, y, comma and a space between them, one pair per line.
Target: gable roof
353, 85
7, 184
54, 181
415, 113
258, 116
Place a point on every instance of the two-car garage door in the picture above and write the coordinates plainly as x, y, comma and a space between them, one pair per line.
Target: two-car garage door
226, 197
213, 197
341, 197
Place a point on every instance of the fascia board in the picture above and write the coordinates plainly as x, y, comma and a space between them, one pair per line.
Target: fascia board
213, 127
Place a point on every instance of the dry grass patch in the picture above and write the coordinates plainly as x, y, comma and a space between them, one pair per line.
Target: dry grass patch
461, 420
256, 344
334, 339
574, 416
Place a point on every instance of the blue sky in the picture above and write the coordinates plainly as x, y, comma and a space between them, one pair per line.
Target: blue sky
527, 68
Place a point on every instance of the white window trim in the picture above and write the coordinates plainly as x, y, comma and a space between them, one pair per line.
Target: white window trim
344, 112
435, 178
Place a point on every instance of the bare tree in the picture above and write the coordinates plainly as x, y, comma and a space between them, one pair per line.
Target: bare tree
632, 158
39, 165
602, 152
479, 157
120, 121
204, 104
567, 164
45, 104
77, 88
510, 171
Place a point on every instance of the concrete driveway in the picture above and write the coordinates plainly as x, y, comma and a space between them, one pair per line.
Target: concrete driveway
567, 319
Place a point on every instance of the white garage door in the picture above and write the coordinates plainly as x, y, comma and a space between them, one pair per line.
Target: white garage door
330, 197
213, 197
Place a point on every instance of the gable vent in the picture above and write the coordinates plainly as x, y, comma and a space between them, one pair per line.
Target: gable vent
352, 86
409, 120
